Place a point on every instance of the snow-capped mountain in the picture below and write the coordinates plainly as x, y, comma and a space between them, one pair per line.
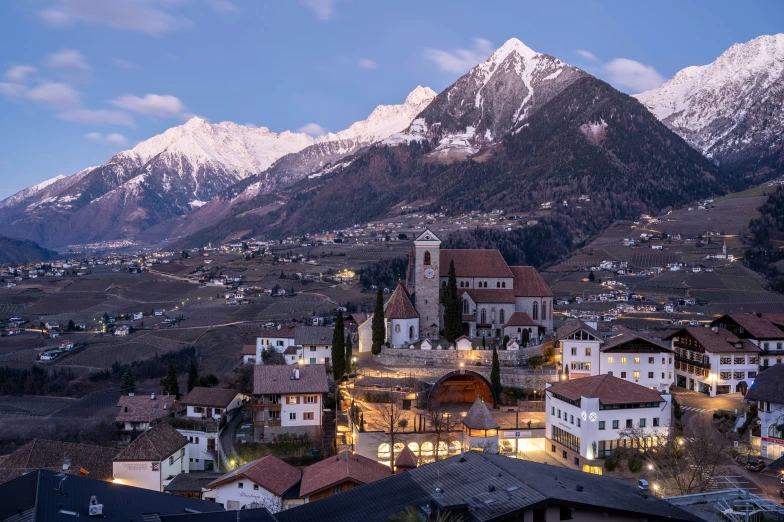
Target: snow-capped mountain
731, 110
494, 98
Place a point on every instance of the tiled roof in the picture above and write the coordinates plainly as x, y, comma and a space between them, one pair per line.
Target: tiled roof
406, 459
626, 336
490, 295
474, 263
141, 408
191, 482
279, 379
399, 305
248, 349
607, 388
307, 335
758, 327
777, 319
269, 472
155, 444
528, 282
209, 397
768, 385
284, 332
338, 469
719, 341
521, 319
575, 325
50, 454
479, 417
358, 317
291, 350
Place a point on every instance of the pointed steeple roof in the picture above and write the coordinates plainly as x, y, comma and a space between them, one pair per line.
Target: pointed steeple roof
406, 459
479, 417
399, 305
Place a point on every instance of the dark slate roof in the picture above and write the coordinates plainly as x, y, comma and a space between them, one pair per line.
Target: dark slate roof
575, 325
50, 454
643, 342
43, 495
607, 388
243, 515
399, 305
155, 444
278, 379
308, 335
528, 282
466, 479
768, 386
209, 397
479, 417
191, 482
474, 263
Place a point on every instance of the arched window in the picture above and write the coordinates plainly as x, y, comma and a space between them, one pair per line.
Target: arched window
465, 307
498, 284
397, 328
492, 315
544, 311
427, 258
410, 332
503, 284
484, 316
485, 284
536, 311
502, 316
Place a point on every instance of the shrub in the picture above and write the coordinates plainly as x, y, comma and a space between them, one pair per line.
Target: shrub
635, 464
611, 463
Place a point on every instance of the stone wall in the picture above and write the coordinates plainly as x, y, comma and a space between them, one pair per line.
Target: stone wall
270, 432
453, 358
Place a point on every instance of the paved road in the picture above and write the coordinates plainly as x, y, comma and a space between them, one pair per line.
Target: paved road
228, 441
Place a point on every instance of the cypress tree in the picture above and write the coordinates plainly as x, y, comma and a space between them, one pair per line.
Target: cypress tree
169, 383
379, 330
453, 318
349, 354
128, 384
338, 348
193, 375
591, 277
495, 374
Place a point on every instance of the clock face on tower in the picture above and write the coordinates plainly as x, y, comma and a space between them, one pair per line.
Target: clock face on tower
430, 273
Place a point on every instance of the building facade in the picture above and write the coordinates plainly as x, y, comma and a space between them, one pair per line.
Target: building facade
766, 331
768, 393
260, 483
153, 459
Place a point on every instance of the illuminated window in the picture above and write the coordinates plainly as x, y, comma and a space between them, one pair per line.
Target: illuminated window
636, 375
623, 360
610, 360
636, 360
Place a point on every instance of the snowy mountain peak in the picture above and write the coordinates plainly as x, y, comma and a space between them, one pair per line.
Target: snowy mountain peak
419, 95
513, 45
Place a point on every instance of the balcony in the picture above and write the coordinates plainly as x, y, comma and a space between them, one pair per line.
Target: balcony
693, 362
262, 407
266, 423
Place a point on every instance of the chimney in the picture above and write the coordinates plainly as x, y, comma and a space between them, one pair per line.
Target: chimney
152, 396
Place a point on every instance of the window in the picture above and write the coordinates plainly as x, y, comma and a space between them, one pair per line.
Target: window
559, 413
198, 409
766, 346
574, 351
642, 423
725, 360
552, 412
427, 258
308, 415
629, 423
540, 514
571, 419
566, 513
484, 316
397, 328
536, 312
239, 485
664, 359
410, 332
740, 375
544, 311
279, 343
615, 425
623, 360
636, 360
502, 316
636, 374
312, 360
293, 415
740, 360
310, 399
650, 375
610, 360
650, 360
623, 375
725, 375
255, 487
564, 454
566, 439
312, 348
503, 284
587, 352
601, 425
171, 461
656, 422
752, 375
578, 422
465, 307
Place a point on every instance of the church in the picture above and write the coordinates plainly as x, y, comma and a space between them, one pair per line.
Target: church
497, 299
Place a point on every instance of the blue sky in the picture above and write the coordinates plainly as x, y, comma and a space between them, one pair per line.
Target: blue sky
81, 80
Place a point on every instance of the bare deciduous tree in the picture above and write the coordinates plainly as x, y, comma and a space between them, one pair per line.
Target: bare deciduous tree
441, 423
390, 414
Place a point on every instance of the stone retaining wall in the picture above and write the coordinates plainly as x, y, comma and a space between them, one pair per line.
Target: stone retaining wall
409, 357
535, 381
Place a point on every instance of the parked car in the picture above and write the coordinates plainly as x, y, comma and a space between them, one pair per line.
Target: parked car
755, 465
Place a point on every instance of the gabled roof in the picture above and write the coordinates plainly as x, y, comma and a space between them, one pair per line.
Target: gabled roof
474, 263
607, 388
520, 319
399, 305
490, 295
479, 417
191, 482
335, 470
279, 379
307, 335
50, 454
719, 341
248, 349
209, 397
155, 444
406, 459
269, 472
575, 325
758, 327
427, 235
528, 282
284, 332
768, 385
142, 408
639, 340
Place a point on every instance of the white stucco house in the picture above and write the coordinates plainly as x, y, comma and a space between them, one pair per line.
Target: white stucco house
768, 392
261, 483
153, 459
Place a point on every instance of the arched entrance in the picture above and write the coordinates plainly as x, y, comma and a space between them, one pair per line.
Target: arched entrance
461, 386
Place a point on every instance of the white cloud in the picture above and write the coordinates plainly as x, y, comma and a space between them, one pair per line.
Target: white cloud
68, 59
94, 136
636, 76
98, 117
55, 95
324, 9
313, 129
124, 64
364, 63
147, 16
19, 73
113, 138
460, 60
251, 125
12, 90
223, 6
162, 106
587, 55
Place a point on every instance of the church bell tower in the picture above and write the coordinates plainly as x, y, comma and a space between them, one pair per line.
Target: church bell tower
427, 259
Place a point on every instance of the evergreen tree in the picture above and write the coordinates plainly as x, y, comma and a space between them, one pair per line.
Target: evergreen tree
193, 375
128, 383
495, 374
338, 348
169, 383
71, 325
591, 277
349, 354
453, 318
379, 330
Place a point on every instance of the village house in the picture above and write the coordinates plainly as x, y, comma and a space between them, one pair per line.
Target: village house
288, 400
768, 393
274, 338
248, 354
260, 483
314, 344
339, 473
191, 484
60, 457
766, 331
586, 418
153, 459
139, 412
713, 360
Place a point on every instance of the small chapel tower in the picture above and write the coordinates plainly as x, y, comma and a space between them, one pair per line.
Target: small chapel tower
427, 258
